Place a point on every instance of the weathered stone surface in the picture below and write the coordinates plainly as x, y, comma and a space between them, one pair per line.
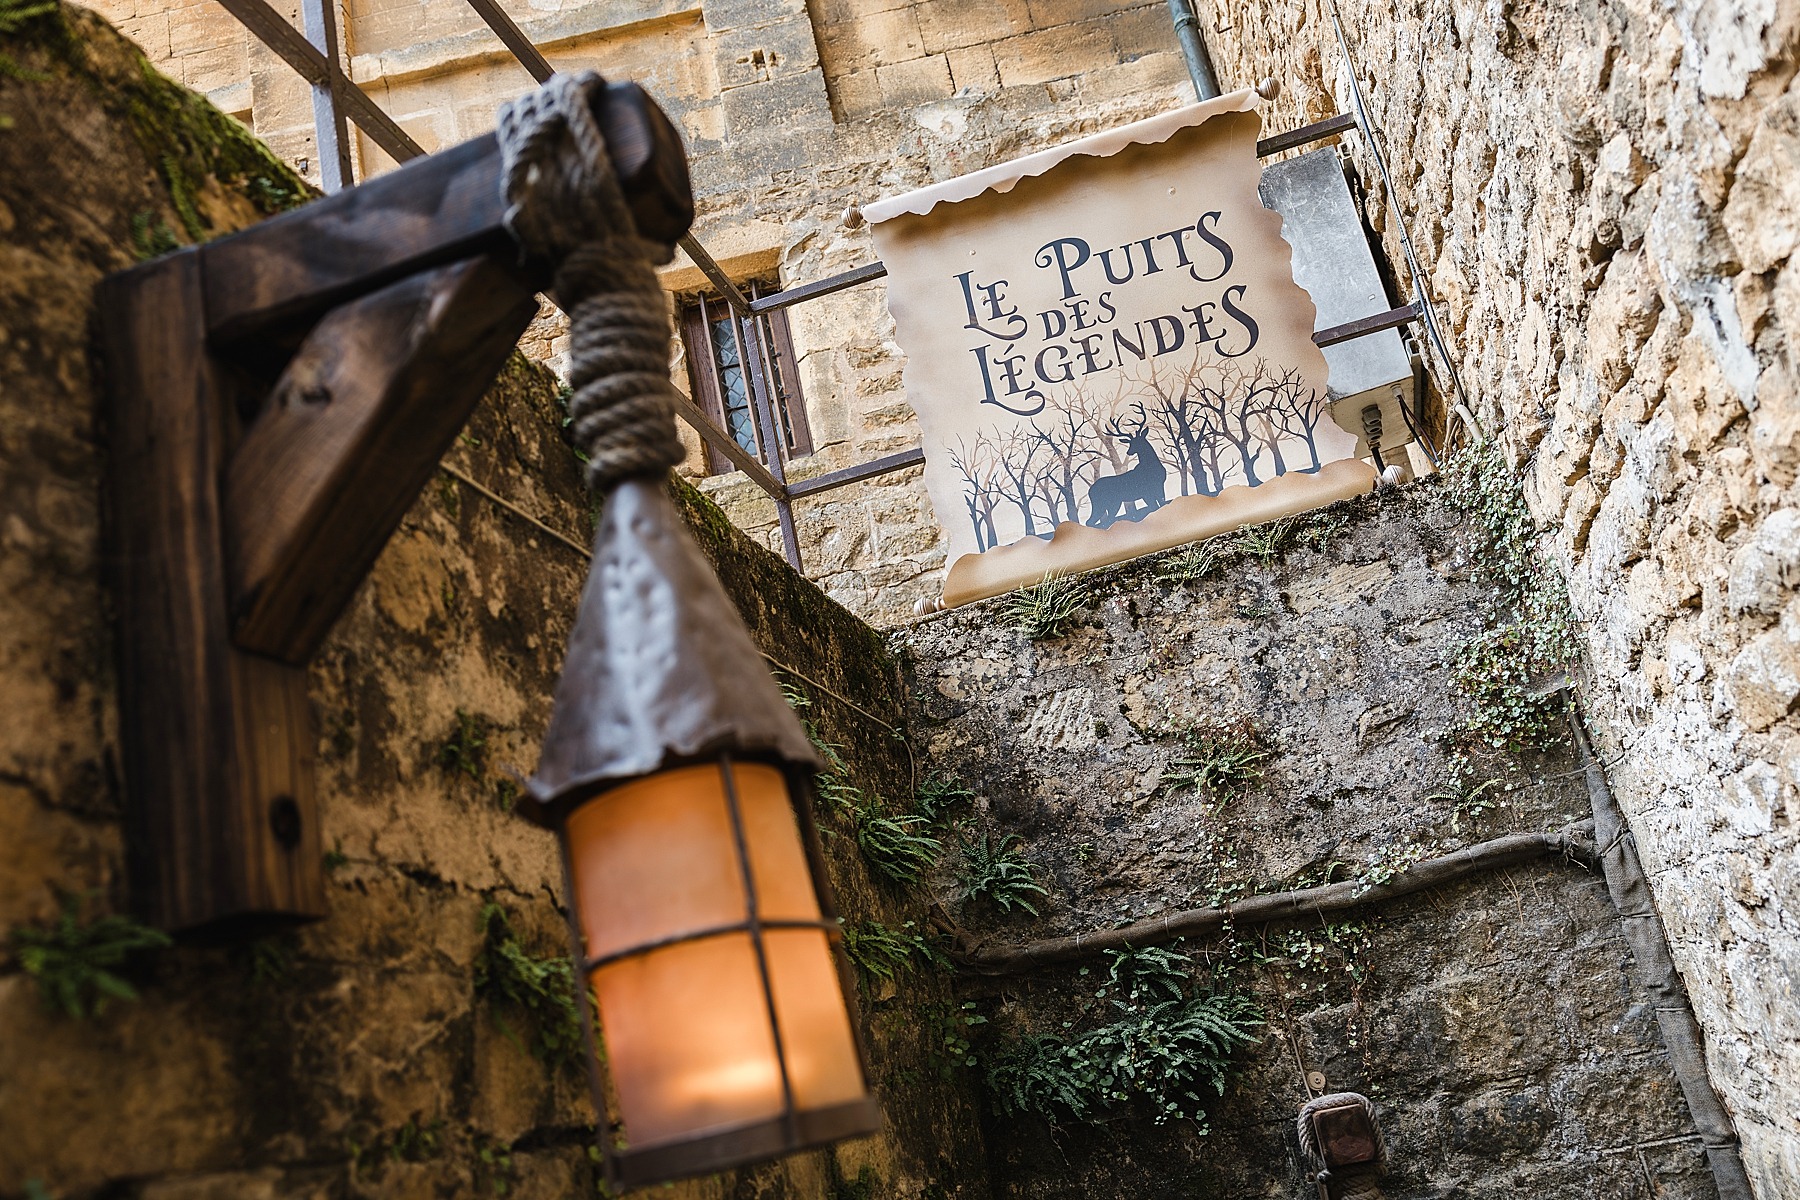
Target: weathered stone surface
1602, 199
1626, 171
1495, 1022
354, 1057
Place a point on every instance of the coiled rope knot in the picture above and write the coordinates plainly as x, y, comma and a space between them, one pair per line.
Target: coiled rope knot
564, 206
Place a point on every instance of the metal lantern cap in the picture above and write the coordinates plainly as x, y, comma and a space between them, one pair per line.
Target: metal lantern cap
660, 670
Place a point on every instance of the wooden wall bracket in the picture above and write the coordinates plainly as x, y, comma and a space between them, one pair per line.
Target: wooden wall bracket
275, 402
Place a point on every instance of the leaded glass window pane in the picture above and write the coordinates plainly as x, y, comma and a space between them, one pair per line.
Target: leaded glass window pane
734, 390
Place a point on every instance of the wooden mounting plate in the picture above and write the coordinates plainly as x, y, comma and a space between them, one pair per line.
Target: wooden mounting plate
217, 742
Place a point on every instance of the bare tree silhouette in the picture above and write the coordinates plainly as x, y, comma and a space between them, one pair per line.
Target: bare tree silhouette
1220, 407
1068, 437
980, 491
1296, 408
1020, 480
1208, 424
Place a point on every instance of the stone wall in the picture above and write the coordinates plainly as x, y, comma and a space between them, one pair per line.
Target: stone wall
1605, 201
1494, 1020
357, 1056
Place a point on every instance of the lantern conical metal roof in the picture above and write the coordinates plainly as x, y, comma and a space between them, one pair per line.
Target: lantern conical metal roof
660, 667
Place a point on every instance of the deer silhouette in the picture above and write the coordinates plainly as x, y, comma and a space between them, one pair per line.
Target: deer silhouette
1113, 496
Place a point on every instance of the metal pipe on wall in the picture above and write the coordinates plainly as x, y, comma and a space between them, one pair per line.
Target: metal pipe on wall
1193, 49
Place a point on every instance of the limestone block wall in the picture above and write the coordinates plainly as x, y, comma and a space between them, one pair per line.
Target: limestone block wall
1605, 201
1493, 1020
358, 1056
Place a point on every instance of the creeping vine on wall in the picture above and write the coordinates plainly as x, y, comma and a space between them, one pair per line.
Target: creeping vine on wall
539, 988
1508, 672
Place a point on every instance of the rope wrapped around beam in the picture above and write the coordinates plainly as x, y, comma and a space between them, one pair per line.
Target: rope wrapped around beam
565, 207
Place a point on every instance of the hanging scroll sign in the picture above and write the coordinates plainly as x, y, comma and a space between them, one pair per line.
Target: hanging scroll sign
1108, 352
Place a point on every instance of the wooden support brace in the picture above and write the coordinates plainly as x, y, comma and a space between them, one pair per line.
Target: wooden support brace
352, 431
273, 280
217, 742
243, 517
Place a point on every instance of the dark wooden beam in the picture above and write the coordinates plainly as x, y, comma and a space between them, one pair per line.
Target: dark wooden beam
217, 743
283, 273
352, 431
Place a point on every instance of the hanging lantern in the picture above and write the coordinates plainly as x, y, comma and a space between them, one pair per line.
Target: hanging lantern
679, 784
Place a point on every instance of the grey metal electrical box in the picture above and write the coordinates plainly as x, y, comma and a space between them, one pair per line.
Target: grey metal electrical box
1332, 261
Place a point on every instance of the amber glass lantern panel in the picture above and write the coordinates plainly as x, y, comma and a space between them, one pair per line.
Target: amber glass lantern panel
686, 968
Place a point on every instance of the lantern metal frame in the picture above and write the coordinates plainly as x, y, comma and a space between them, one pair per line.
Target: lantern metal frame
793, 1128
661, 673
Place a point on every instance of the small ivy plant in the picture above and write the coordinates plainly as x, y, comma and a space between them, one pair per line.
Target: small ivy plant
951, 1030
997, 872
541, 988
1508, 672
416, 1142
1047, 608
465, 750
494, 1164
74, 960
1393, 861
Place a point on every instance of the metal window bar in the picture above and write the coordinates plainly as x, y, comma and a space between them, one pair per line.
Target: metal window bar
274, 32
331, 136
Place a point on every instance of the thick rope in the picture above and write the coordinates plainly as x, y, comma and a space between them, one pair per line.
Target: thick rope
564, 206
1354, 1183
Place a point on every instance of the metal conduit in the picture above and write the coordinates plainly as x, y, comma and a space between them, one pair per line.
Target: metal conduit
1193, 49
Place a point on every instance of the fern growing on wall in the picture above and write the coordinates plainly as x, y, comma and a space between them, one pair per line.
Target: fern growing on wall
1218, 759
1047, 608
882, 952
75, 960
1162, 1056
897, 846
996, 872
